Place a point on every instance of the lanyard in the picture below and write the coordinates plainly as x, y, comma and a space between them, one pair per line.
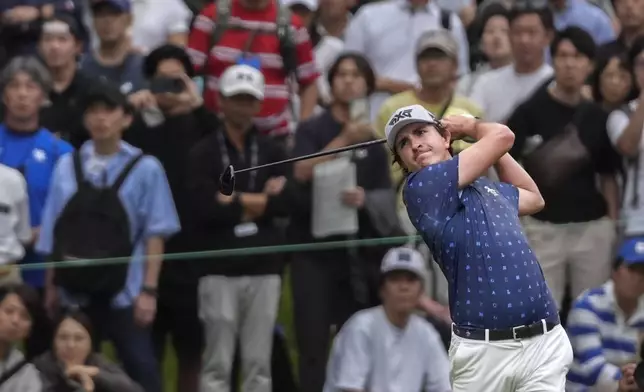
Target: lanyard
225, 159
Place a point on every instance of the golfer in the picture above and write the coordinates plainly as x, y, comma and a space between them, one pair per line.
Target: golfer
506, 332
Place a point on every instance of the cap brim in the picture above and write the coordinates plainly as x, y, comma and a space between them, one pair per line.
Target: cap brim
413, 271
448, 52
243, 89
391, 138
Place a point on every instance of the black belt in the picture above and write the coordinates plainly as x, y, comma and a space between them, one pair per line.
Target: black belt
514, 333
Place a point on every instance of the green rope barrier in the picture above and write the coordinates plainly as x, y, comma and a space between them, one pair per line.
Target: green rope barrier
236, 252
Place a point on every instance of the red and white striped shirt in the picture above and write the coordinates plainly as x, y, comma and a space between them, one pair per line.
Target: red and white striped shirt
275, 114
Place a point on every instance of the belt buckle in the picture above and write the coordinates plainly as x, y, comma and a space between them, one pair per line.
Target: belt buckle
514, 332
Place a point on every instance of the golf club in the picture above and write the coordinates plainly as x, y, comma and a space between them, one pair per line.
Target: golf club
227, 178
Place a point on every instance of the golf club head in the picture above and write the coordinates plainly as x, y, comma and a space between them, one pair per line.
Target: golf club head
227, 181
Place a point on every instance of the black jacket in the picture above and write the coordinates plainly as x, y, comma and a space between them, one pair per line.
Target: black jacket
215, 222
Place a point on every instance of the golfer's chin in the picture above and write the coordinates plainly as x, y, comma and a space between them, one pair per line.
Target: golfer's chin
427, 158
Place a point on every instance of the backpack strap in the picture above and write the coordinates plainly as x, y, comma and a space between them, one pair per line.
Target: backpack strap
222, 9
126, 171
13, 370
78, 170
446, 19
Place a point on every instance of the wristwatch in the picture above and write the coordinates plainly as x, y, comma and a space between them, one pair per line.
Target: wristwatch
149, 290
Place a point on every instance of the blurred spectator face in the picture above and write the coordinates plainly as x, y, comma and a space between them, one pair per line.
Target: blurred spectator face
638, 70
105, 122
170, 68
23, 97
401, 291
615, 82
572, 68
348, 83
436, 68
529, 38
335, 9
15, 320
110, 24
495, 41
630, 13
240, 109
72, 343
59, 49
629, 281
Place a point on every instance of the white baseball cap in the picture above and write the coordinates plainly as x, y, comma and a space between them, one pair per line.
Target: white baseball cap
404, 259
242, 79
407, 115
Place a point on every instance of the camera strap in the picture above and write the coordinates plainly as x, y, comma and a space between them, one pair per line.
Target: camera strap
254, 157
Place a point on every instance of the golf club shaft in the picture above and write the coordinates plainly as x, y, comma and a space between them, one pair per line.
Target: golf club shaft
315, 155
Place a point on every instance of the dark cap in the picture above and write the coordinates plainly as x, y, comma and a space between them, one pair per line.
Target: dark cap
62, 24
105, 92
165, 52
124, 6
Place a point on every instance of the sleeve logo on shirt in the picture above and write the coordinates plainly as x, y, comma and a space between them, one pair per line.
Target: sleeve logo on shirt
491, 191
399, 116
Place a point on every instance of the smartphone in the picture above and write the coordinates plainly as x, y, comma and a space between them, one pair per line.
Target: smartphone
359, 110
162, 85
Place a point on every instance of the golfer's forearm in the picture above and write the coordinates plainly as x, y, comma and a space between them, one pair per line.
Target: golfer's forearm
303, 170
511, 172
154, 248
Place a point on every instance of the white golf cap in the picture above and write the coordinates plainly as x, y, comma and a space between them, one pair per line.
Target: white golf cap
406, 115
311, 5
242, 79
404, 259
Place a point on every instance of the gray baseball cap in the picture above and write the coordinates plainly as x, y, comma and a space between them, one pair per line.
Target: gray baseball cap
404, 259
441, 39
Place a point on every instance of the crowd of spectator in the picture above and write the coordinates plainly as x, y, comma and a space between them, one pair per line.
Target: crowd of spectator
118, 116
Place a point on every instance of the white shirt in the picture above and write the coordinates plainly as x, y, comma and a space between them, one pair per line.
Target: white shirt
370, 354
500, 91
15, 227
156, 20
386, 32
631, 216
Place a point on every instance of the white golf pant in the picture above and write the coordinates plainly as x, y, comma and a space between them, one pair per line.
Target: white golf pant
537, 364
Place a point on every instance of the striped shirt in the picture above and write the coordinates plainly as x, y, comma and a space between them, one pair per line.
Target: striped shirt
274, 116
602, 340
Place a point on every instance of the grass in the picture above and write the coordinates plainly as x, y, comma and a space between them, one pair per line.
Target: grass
285, 318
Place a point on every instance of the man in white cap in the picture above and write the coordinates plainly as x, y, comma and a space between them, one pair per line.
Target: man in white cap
238, 296
506, 334
388, 348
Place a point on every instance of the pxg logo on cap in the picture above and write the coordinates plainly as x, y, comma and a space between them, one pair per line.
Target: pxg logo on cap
405, 113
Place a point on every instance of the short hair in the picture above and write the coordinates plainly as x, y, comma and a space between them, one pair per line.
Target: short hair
579, 38
28, 296
167, 52
32, 67
522, 8
600, 67
363, 65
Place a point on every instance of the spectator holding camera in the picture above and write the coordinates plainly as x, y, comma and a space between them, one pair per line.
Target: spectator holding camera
183, 122
238, 296
108, 200
605, 326
72, 366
